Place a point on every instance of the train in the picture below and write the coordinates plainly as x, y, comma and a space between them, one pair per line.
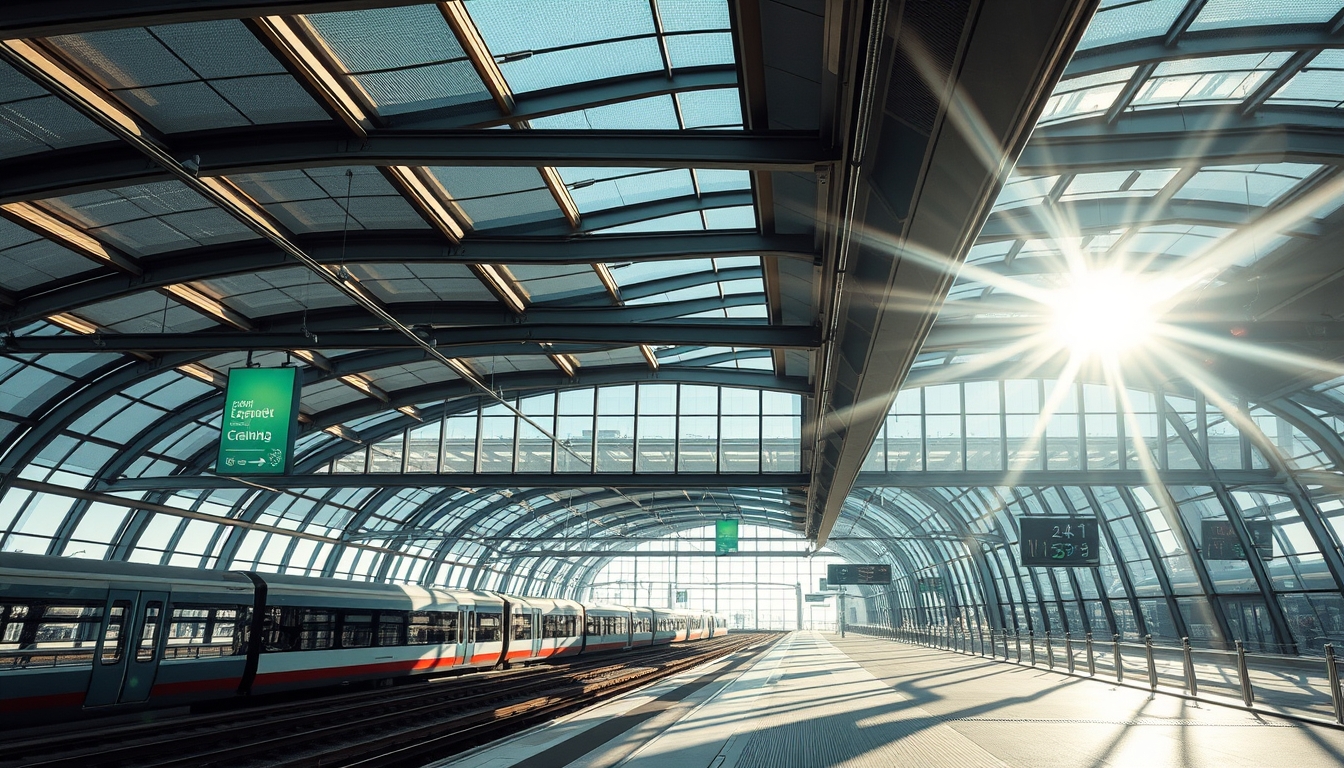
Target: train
84, 637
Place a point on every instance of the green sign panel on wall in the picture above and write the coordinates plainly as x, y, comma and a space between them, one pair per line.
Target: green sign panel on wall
261, 408
725, 536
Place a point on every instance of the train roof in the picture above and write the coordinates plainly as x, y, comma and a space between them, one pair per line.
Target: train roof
15, 565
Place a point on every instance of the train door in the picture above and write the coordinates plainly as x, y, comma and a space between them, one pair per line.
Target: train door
536, 632
468, 634
128, 656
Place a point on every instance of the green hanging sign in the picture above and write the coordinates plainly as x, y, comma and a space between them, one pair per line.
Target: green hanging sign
260, 422
725, 537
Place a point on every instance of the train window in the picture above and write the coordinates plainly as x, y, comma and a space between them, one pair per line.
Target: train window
593, 626
356, 630
317, 629
391, 628
280, 629
205, 631
11, 626
114, 635
149, 632
431, 628
489, 627
522, 626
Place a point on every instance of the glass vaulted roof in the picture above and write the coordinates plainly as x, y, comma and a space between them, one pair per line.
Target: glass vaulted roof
552, 271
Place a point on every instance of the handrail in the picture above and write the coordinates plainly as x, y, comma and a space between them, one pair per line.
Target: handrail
1299, 687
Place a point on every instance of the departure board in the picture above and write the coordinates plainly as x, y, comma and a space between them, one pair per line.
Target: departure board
1059, 541
1222, 543
846, 573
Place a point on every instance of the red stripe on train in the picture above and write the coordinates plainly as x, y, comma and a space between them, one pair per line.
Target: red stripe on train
301, 675
50, 701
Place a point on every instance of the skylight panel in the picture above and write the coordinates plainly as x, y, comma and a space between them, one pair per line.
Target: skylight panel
1224, 14
189, 77
150, 218
27, 105
1256, 186
1020, 191
657, 114
498, 197
1207, 80
630, 187
405, 59
314, 199
1118, 184
734, 217
1319, 84
1119, 21
717, 108
700, 50
1080, 97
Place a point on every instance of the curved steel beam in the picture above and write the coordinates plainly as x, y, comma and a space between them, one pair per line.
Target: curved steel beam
1221, 42
395, 247
1182, 137
48, 18
1078, 217
263, 149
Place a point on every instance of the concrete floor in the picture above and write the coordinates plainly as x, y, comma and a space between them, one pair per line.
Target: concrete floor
817, 701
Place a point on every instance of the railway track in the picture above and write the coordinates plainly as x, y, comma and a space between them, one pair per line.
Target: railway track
402, 726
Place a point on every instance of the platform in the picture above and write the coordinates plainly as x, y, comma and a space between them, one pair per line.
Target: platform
818, 701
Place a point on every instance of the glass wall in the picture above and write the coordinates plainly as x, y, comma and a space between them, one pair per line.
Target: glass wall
637, 428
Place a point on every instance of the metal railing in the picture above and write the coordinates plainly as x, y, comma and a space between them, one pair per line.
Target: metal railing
1306, 688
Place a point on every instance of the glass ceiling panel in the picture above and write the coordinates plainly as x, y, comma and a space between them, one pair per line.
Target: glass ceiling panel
718, 108
1207, 80
560, 283
1255, 185
1224, 14
150, 218
422, 282
499, 197
1080, 97
598, 189
28, 259
1319, 84
191, 77
1117, 21
147, 312
406, 59
314, 199
275, 292
32, 120
658, 113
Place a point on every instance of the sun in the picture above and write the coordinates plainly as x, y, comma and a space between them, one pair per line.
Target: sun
1102, 314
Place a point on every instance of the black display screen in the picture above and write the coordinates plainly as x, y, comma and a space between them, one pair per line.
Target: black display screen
1059, 541
846, 573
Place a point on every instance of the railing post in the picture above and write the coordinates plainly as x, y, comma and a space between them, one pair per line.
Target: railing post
1049, 651
1091, 658
1247, 694
1191, 684
1068, 652
1031, 641
1332, 673
1152, 665
1119, 662
1017, 638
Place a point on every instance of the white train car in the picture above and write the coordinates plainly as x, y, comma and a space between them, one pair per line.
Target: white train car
543, 628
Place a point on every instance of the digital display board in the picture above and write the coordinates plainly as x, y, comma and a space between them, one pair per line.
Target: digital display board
931, 584
260, 422
846, 573
1053, 542
725, 536
1222, 543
